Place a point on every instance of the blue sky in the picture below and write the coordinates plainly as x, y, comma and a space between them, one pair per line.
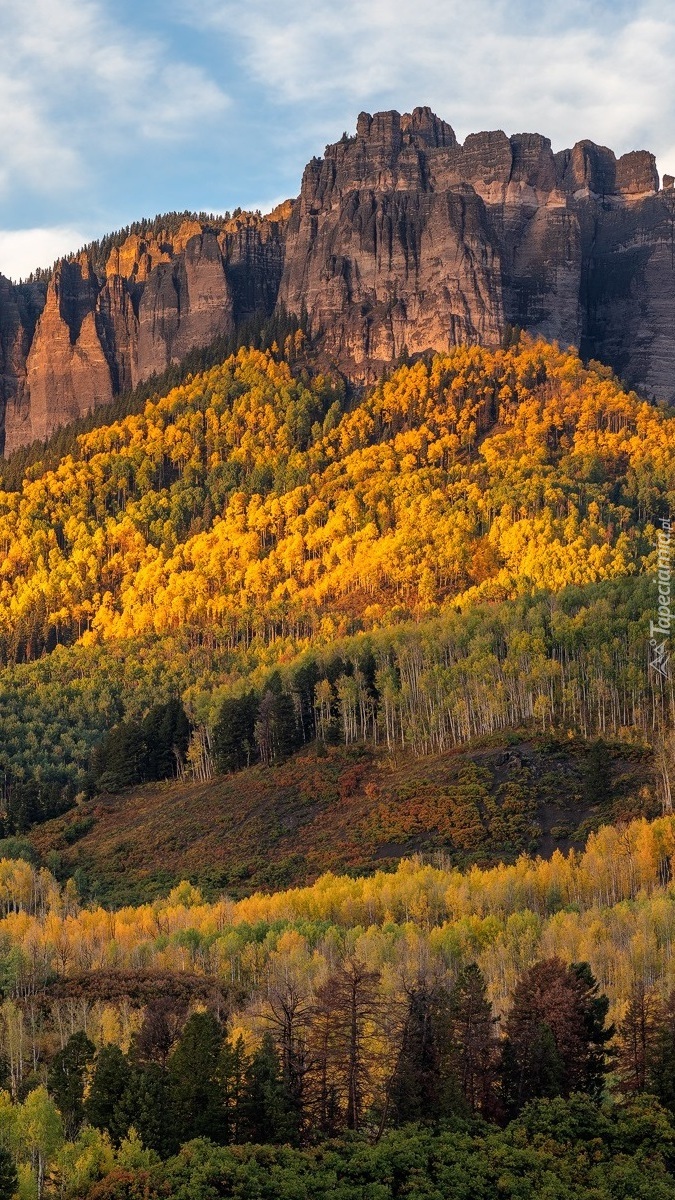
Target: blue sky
115, 110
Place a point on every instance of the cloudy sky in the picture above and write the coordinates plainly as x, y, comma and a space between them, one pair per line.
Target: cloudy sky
115, 109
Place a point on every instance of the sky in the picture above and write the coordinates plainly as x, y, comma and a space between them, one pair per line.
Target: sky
111, 110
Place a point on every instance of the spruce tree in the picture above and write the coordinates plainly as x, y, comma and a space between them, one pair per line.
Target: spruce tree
266, 1113
417, 1091
66, 1077
475, 1050
108, 1086
234, 732
146, 1104
166, 734
193, 1070
661, 1077
556, 1034
9, 1180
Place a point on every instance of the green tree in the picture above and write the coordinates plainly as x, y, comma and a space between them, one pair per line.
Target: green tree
193, 1073
146, 1105
267, 1114
474, 1047
421, 1090
118, 761
8, 1177
166, 734
661, 1076
66, 1079
39, 1132
234, 732
108, 1086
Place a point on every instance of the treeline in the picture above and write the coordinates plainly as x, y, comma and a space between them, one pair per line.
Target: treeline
570, 1149
340, 1062
610, 906
340, 1059
574, 662
163, 224
142, 751
316, 1070
346, 1009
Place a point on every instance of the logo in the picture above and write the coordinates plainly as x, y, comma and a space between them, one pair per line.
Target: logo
659, 630
659, 657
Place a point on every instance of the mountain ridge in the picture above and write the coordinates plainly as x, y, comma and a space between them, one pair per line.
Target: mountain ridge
401, 240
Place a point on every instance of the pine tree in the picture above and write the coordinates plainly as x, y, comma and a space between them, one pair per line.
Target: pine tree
166, 734
9, 1180
118, 761
662, 1069
108, 1086
594, 1006
639, 1035
65, 1079
556, 1035
267, 1116
475, 1049
234, 732
146, 1104
231, 1077
193, 1072
420, 1089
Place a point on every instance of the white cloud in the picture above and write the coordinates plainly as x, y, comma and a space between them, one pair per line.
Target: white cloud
23, 250
75, 83
570, 70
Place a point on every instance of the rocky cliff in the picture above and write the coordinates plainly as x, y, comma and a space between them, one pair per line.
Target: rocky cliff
94, 332
401, 239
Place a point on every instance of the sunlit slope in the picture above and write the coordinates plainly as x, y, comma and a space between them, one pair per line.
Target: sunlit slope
250, 503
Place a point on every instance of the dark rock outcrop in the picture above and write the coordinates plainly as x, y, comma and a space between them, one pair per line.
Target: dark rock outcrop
401, 239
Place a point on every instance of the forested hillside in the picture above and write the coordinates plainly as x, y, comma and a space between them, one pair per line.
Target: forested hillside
257, 561
508, 1029
248, 504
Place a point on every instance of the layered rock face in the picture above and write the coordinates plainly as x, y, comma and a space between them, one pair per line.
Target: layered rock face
92, 334
401, 239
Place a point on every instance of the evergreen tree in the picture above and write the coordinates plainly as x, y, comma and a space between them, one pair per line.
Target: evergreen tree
661, 1075
109, 1083
420, 1089
193, 1071
66, 1078
231, 1077
118, 761
9, 1180
305, 680
474, 1045
594, 1005
166, 734
234, 732
146, 1104
267, 1115
555, 1034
